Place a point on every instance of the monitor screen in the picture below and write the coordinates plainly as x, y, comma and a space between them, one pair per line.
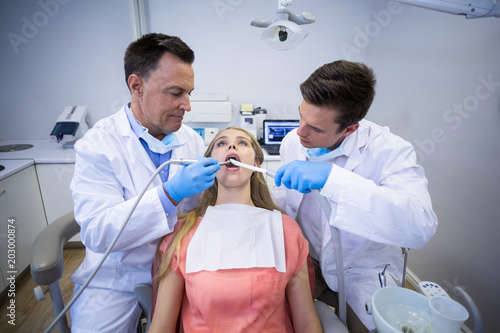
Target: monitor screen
275, 130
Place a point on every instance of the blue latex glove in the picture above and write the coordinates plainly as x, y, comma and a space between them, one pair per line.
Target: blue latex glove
303, 176
193, 178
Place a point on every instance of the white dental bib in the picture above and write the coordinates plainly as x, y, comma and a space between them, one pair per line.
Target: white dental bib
237, 236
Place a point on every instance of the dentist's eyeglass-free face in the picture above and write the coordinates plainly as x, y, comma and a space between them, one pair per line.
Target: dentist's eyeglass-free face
163, 98
318, 127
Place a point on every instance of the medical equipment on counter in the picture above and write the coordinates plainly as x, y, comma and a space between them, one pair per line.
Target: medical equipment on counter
339, 260
209, 108
274, 131
260, 116
70, 126
206, 133
248, 120
14, 147
284, 32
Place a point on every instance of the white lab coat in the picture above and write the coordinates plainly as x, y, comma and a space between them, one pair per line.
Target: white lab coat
379, 202
111, 169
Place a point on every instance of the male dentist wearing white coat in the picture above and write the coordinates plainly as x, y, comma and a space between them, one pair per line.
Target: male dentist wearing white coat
114, 161
377, 192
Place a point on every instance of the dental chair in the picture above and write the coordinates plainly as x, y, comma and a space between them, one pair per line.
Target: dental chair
47, 263
47, 267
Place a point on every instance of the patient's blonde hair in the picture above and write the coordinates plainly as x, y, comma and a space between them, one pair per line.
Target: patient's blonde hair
259, 193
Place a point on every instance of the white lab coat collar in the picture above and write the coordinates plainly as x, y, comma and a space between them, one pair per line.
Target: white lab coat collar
135, 147
352, 147
354, 143
132, 143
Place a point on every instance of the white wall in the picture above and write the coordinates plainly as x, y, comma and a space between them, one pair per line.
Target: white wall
75, 55
60, 53
231, 58
431, 72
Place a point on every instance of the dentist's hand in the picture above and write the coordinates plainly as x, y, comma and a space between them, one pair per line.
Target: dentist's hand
193, 178
303, 176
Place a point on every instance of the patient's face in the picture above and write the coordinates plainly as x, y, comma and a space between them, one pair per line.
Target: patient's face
234, 144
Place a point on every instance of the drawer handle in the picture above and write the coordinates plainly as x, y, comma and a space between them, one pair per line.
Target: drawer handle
2, 193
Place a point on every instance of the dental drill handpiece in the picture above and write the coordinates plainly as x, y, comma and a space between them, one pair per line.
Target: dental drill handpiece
187, 161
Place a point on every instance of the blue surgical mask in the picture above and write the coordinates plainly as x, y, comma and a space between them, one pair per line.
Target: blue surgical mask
168, 143
322, 154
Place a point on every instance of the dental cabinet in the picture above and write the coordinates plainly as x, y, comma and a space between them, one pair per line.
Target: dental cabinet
22, 218
55, 180
54, 168
36, 183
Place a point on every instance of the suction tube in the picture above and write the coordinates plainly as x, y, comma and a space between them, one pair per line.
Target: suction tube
478, 323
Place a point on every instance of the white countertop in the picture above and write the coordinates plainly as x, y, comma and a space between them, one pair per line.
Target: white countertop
268, 157
48, 152
42, 152
13, 166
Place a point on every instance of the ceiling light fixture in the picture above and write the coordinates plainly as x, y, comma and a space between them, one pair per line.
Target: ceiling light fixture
284, 32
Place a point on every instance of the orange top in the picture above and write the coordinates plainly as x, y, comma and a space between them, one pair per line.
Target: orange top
239, 300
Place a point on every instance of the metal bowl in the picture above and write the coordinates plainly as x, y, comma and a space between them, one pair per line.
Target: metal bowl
14, 147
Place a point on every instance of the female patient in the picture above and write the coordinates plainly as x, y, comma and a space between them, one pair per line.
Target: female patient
232, 261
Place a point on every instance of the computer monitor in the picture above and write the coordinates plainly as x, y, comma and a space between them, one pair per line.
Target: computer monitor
275, 130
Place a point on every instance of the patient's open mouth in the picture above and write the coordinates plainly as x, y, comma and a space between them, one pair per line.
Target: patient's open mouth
233, 157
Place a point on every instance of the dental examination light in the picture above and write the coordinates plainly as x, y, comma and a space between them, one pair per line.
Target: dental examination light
284, 32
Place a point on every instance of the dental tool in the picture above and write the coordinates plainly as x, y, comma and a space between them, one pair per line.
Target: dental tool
382, 278
251, 167
187, 161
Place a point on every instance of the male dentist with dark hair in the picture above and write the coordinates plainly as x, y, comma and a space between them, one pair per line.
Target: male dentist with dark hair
114, 161
374, 186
